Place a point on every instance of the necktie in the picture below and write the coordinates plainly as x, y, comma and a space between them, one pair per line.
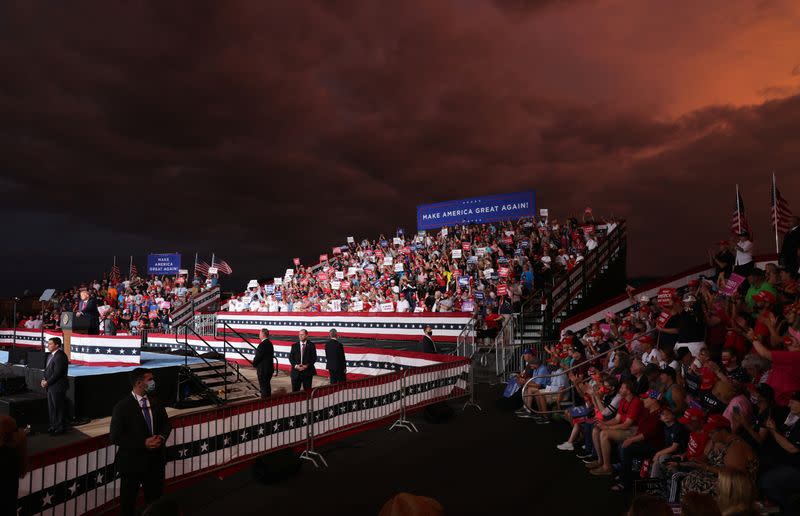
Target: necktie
146, 412
302, 352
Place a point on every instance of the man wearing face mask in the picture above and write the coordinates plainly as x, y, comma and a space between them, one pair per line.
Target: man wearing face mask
426, 345
140, 427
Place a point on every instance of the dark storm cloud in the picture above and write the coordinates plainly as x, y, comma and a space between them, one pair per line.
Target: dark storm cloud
268, 130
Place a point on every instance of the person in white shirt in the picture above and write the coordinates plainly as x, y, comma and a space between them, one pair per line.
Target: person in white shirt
744, 255
29, 324
402, 304
591, 243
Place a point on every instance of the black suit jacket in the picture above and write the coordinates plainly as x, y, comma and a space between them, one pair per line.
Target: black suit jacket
55, 372
264, 361
334, 356
129, 431
90, 318
309, 359
426, 345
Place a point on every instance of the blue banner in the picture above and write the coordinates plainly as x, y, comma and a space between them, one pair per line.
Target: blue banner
492, 208
168, 264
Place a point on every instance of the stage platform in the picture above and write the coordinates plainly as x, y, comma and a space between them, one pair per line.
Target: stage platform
94, 390
40, 442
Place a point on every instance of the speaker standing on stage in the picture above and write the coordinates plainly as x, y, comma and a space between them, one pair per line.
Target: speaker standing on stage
334, 358
88, 315
56, 383
302, 358
264, 362
426, 345
140, 427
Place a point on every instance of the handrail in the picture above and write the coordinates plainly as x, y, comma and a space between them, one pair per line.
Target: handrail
595, 357
186, 345
236, 371
225, 338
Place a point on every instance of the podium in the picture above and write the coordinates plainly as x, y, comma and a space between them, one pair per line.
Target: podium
67, 323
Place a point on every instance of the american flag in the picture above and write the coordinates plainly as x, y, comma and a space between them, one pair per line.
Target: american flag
114, 273
201, 269
739, 222
134, 270
780, 214
224, 268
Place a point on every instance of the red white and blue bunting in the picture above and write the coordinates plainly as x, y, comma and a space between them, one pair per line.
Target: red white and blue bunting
446, 326
81, 477
361, 361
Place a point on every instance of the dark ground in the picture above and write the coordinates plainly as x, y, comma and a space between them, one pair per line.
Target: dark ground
487, 462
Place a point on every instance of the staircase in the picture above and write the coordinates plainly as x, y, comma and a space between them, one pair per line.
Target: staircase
213, 380
573, 291
216, 382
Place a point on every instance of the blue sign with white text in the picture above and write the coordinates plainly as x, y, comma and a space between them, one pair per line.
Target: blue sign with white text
163, 264
491, 208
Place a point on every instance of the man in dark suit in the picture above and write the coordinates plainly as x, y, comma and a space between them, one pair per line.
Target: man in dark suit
302, 358
334, 359
88, 316
264, 362
140, 427
56, 384
426, 345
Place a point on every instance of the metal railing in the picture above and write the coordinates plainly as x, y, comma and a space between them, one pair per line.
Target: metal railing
204, 324
82, 477
573, 367
244, 339
465, 342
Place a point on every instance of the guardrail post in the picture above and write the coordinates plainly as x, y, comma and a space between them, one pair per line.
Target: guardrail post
309, 453
402, 422
471, 388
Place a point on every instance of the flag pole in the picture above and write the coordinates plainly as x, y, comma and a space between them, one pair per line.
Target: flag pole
130, 268
212, 259
738, 212
194, 272
775, 212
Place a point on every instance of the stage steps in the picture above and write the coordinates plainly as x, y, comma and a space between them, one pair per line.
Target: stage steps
218, 383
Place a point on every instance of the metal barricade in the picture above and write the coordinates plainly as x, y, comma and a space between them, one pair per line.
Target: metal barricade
204, 324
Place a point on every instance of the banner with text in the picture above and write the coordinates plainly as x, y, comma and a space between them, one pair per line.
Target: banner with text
163, 264
490, 208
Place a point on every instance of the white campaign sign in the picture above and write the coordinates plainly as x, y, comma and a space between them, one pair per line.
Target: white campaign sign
398, 267
456, 253
278, 281
339, 275
388, 260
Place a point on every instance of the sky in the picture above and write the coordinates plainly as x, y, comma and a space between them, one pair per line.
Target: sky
261, 131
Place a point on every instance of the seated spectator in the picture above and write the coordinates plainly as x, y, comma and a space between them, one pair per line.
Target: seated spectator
676, 438
729, 451
736, 493
552, 393
780, 481
648, 439
731, 369
617, 429
672, 393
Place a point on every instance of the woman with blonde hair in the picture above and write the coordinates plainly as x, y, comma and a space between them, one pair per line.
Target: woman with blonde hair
736, 494
14, 458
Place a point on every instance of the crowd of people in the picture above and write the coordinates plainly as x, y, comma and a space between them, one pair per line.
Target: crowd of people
697, 389
477, 268
119, 305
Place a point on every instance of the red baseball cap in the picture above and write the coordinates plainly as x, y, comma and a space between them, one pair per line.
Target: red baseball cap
764, 297
647, 339
691, 415
708, 379
716, 422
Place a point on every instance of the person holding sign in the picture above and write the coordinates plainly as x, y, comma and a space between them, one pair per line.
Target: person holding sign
302, 358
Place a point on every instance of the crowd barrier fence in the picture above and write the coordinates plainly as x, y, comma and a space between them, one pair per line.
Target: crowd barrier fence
81, 478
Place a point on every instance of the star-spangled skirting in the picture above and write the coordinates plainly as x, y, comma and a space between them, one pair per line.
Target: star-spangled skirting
94, 480
359, 360
397, 326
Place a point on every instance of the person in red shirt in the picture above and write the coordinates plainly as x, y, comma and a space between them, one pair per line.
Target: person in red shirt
617, 429
784, 377
649, 438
